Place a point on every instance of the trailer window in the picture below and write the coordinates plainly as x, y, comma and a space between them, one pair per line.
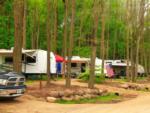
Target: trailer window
73, 64
30, 59
8, 60
83, 66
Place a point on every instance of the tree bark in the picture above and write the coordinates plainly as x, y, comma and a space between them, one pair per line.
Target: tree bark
127, 38
35, 27
65, 36
93, 47
18, 21
48, 41
55, 25
140, 34
24, 25
103, 35
68, 78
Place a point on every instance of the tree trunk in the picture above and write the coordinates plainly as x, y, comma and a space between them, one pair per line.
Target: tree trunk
114, 45
55, 25
18, 21
140, 34
127, 38
68, 78
80, 37
35, 27
48, 41
65, 36
103, 35
24, 25
93, 47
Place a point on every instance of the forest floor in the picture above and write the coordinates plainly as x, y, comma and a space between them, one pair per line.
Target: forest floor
30, 104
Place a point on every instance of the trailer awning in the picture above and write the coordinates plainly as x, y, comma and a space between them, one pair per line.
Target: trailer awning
5, 52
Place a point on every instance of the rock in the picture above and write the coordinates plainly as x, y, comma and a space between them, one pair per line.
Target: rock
104, 91
95, 91
51, 99
80, 92
40, 99
54, 94
87, 96
133, 86
77, 97
125, 86
68, 93
89, 91
93, 95
61, 93
139, 87
100, 92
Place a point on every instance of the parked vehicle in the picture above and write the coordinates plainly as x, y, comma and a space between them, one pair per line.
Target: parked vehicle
11, 84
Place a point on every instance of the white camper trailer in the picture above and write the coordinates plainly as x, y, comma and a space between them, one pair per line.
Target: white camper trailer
33, 61
98, 66
120, 66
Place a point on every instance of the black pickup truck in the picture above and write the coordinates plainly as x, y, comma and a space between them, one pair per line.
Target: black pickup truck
11, 84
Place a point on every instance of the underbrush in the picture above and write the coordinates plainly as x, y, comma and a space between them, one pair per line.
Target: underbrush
99, 78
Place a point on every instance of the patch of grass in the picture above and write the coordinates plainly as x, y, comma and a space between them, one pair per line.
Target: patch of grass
36, 78
121, 80
29, 82
142, 78
100, 99
99, 78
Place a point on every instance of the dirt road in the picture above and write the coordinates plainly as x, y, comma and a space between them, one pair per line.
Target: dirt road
28, 104
141, 104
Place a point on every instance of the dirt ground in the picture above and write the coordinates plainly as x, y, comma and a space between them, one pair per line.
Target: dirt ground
29, 104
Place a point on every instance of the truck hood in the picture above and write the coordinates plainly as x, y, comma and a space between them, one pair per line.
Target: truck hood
6, 75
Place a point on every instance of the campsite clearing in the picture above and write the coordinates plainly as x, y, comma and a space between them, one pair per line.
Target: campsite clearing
28, 103
140, 104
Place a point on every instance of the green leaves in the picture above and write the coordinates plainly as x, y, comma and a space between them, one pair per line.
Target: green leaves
115, 22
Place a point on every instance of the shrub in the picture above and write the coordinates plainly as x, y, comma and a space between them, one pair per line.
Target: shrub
99, 78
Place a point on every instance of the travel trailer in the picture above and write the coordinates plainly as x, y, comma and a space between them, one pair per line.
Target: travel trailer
98, 66
119, 67
78, 65
33, 61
